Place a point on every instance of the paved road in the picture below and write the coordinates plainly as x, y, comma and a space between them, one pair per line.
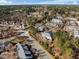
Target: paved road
8, 39
39, 47
36, 45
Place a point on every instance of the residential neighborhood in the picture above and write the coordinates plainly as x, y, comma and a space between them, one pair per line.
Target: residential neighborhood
39, 32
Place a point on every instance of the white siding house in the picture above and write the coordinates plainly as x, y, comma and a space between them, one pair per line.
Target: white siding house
56, 21
74, 30
76, 33
72, 26
41, 28
71, 18
46, 36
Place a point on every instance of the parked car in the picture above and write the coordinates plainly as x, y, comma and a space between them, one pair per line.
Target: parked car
27, 52
1, 47
29, 39
25, 47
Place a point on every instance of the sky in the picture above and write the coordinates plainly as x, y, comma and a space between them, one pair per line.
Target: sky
31, 2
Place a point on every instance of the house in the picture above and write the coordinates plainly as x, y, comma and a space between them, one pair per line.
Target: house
47, 36
56, 22
76, 33
1, 47
71, 21
40, 27
23, 33
74, 30
59, 17
72, 26
71, 18
77, 23
50, 25
20, 52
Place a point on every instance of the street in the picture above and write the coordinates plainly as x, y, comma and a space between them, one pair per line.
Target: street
35, 44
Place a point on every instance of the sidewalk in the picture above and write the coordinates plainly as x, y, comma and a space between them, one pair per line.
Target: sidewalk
38, 46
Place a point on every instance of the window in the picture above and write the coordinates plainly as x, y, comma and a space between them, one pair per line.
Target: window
78, 32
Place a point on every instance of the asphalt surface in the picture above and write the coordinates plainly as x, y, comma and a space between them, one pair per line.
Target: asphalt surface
44, 54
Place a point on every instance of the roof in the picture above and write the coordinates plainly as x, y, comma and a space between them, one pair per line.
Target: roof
56, 20
20, 51
38, 25
24, 33
71, 23
41, 28
47, 35
59, 17
71, 18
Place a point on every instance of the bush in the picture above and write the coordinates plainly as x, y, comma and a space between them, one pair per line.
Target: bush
45, 45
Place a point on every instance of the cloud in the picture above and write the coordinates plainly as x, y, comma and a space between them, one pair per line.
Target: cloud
42, 2
28, 2
64, 2
5, 2
51, 2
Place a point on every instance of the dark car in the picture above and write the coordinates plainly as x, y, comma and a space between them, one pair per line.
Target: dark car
25, 47
1, 47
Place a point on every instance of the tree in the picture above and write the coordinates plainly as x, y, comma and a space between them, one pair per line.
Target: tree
62, 43
30, 23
